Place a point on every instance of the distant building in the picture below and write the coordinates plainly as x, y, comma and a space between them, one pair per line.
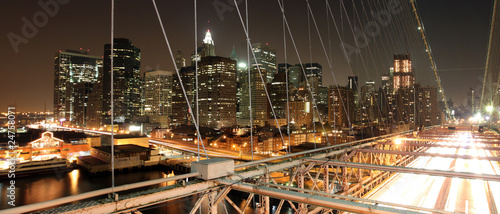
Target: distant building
127, 80
259, 98
295, 75
180, 61
278, 94
266, 59
403, 76
180, 111
313, 70
282, 67
352, 82
301, 113
70, 68
367, 103
81, 100
405, 110
217, 92
340, 106
158, 96
208, 45
427, 105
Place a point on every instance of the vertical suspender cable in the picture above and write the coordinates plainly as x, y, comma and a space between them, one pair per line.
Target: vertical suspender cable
112, 98
330, 57
196, 73
179, 76
492, 27
287, 85
249, 81
310, 64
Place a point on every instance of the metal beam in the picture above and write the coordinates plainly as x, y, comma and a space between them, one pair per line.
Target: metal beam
234, 205
351, 198
429, 154
197, 204
327, 202
323, 149
466, 175
445, 146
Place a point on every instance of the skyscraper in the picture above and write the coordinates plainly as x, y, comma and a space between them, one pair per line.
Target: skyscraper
127, 80
340, 106
180, 110
158, 96
428, 113
258, 94
70, 68
313, 70
403, 76
352, 82
180, 61
295, 75
208, 45
217, 92
367, 109
266, 59
282, 67
278, 94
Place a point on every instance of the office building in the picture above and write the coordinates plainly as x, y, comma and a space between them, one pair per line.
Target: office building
127, 81
403, 74
70, 68
340, 106
180, 111
158, 96
266, 59
260, 104
217, 92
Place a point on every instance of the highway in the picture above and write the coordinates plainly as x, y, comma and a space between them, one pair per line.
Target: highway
445, 193
184, 146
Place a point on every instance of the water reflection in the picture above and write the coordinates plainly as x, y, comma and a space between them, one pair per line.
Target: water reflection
39, 188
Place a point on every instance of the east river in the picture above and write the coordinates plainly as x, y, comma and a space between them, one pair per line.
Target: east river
39, 188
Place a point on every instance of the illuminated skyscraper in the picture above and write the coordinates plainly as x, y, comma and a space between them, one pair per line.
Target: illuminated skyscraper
340, 106
266, 59
180, 110
158, 96
127, 80
259, 97
208, 45
403, 76
70, 68
217, 92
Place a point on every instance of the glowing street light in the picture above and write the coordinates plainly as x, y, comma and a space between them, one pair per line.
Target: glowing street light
489, 109
398, 141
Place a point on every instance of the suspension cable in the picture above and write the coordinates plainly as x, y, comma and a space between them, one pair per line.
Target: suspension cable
179, 76
429, 53
492, 27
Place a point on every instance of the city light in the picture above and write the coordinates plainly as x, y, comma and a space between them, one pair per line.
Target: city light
397, 141
489, 109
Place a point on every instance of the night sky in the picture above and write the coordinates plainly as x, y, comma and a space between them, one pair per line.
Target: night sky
457, 31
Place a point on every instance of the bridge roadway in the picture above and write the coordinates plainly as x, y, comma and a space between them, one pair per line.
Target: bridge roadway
414, 191
447, 193
187, 147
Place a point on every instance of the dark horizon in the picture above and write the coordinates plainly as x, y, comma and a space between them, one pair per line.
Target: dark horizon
458, 34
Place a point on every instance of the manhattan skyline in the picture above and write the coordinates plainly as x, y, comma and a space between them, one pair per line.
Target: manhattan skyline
86, 25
